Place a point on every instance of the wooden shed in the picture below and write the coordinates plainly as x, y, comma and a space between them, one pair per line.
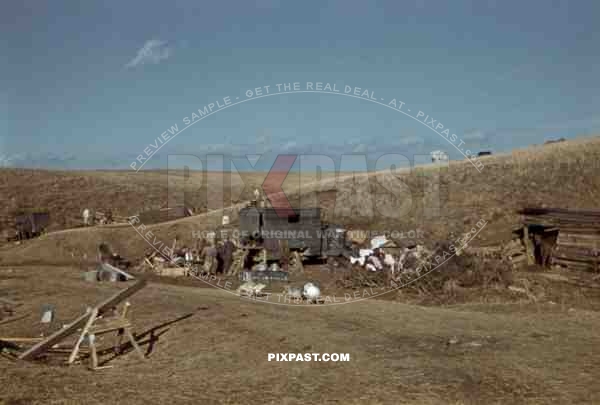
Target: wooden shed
570, 236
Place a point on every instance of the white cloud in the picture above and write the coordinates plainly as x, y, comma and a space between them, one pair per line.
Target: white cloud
154, 51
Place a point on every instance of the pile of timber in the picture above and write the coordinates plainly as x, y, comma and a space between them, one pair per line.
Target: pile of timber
577, 250
578, 242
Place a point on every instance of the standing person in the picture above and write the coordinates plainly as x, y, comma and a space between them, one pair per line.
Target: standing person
227, 254
86, 217
219, 258
210, 257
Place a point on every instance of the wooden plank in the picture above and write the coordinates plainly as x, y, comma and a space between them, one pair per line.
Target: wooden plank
81, 321
120, 296
90, 321
577, 250
578, 236
94, 357
119, 271
134, 344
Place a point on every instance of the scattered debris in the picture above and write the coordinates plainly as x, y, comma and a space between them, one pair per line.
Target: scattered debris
251, 289
311, 292
453, 341
293, 292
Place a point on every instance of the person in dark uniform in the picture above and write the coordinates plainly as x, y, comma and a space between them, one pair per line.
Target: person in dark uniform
227, 254
220, 261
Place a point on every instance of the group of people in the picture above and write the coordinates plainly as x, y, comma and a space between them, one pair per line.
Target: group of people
215, 257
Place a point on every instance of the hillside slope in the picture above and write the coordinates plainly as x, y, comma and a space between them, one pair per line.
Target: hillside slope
561, 175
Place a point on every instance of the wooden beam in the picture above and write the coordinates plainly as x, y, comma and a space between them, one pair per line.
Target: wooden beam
119, 271
81, 321
91, 319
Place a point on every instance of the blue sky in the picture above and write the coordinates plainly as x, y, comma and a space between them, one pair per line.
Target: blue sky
78, 91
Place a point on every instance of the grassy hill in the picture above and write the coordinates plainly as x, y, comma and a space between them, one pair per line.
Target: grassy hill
562, 175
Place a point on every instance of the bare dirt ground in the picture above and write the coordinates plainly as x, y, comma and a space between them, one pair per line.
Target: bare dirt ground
481, 345
213, 346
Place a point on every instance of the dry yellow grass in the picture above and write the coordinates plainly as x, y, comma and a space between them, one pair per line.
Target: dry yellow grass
562, 175
399, 354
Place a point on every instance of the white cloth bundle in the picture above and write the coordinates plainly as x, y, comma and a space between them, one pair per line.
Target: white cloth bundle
311, 291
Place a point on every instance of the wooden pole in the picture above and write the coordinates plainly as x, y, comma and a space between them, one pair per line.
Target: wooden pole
92, 318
